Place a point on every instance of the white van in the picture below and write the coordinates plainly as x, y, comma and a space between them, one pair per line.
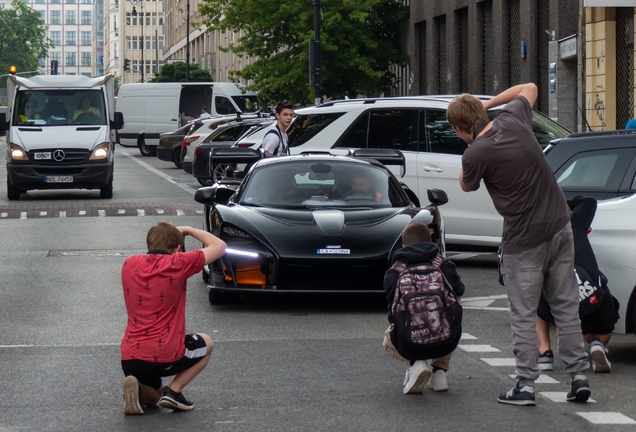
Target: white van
60, 133
151, 109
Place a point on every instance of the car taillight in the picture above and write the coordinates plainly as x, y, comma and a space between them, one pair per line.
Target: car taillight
197, 150
589, 230
244, 145
183, 144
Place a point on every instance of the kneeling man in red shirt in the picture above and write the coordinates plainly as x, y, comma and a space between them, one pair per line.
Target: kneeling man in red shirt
155, 343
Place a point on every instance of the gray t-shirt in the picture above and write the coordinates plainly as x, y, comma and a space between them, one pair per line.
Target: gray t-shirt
518, 178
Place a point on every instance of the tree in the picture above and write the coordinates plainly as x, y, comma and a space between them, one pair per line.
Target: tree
359, 40
176, 72
22, 39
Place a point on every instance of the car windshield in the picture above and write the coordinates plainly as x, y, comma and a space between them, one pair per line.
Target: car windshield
321, 184
59, 108
248, 103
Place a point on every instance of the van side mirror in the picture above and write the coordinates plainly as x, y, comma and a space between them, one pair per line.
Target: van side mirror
3, 123
118, 123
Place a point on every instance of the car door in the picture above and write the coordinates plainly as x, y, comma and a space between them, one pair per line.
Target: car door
597, 173
469, 217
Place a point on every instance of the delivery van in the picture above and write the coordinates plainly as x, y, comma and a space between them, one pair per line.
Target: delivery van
151, 109
59, 133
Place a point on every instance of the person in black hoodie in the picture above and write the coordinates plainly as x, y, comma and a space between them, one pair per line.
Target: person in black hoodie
417, 247
597, 316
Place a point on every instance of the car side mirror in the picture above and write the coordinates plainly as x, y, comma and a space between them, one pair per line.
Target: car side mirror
437, 196
118, 123
205, 195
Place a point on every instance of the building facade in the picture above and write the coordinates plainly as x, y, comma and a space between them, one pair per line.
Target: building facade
134, 31
98, 38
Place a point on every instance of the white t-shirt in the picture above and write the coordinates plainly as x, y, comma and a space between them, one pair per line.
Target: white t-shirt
205, 116
271, 142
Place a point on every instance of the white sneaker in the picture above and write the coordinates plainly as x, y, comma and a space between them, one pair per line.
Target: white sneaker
416, 376
600, 363
438, 381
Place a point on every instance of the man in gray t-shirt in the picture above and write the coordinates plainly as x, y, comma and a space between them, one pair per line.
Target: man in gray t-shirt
537, 251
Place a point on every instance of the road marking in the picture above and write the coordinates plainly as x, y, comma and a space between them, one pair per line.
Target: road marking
121, 211
23, 215
543, 379
4, 214
142, 212
606, 418
159, 211
101, 213
479, 348
62, 213
199, 211
163, 175
501, 361
82, 212
180, 212
560, 397
483, 303
42, 213
467, 336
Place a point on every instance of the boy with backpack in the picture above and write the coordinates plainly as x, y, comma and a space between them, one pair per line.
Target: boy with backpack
422, 289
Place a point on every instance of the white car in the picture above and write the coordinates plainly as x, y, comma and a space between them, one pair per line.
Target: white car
418, 127
613, 239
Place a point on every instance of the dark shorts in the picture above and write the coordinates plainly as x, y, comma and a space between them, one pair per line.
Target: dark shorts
601, 321
150, 373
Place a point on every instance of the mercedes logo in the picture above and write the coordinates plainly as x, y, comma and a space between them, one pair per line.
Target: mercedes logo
58, 155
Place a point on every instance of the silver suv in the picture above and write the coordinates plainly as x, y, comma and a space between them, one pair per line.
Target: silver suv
418, 127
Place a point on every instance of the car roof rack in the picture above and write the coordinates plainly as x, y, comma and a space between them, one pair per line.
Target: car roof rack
439, 98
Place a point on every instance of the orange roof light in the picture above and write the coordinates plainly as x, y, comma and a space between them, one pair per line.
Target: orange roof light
13, 70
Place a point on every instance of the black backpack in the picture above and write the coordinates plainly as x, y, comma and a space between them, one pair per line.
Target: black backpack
590, 292
426, 316
279, 134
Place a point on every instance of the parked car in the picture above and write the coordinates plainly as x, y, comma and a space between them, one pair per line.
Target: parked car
294, 225
597, 164
169, 148
417, 126
613, 239
224, 136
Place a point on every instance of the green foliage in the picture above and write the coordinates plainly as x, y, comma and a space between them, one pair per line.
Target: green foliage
359, 40
176, 72
22, 38
117, 84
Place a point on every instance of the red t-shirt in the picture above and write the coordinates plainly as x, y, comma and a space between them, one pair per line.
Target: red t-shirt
155, 295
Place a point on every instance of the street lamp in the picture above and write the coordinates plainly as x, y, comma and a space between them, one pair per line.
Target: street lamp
187, 40
141, 39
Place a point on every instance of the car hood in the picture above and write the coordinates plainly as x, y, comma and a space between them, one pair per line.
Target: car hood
31, 138
325, 232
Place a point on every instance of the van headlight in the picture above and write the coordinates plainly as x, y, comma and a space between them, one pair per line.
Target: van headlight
100, 152
17, 153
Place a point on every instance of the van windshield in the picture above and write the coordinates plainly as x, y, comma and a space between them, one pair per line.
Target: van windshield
59, 107
248, 103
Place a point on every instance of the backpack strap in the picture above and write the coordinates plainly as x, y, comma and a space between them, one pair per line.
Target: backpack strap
278, 133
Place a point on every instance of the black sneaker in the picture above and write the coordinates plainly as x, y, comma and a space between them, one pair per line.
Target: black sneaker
518, 395
546, 361
175, 401
580, 391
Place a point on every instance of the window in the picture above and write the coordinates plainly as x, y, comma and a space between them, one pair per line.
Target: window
54, 55
127, 18
41, 62
134, 20
154, 18
56, 38
305, 127
356, 135
128, 42
42, 16
223, 105
70, 38
86, 17
595, 171
135, 66
87, 1
135, 40
70, 17
438, 135
86, 38
70, 1
160, 20
54, 17
38, 1
86, 59
147, 40
161, 42
393, 129
147, 19
55, 2
71, 59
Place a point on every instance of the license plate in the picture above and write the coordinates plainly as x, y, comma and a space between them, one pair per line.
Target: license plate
42, 156
58, 179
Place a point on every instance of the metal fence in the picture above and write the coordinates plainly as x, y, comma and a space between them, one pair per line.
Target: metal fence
624, 65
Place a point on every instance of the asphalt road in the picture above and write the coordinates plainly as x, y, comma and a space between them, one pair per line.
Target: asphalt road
279, 364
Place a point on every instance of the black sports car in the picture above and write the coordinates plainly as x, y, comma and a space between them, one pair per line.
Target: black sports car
310, 222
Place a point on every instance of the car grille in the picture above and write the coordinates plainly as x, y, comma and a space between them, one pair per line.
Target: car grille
71, 156
332, 274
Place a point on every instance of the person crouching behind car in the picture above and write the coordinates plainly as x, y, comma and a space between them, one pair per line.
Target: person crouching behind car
155, 344
419, 249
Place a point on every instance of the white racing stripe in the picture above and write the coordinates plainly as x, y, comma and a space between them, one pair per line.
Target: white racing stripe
163, 175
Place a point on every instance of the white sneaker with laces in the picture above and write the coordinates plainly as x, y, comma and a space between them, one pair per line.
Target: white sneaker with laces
438, 381
416, 376
600, 363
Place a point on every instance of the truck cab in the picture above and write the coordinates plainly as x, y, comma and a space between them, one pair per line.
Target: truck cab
60, 133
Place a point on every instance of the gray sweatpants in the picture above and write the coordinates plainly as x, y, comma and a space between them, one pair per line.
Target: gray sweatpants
549, 266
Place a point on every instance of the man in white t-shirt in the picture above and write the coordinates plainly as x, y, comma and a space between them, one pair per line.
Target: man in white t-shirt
275, 141
204, 113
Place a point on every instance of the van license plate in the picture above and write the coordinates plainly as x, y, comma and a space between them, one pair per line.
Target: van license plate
58, 179
42, 156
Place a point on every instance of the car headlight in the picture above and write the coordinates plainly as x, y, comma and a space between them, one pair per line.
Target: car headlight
17, 153
235, 232
100, 152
